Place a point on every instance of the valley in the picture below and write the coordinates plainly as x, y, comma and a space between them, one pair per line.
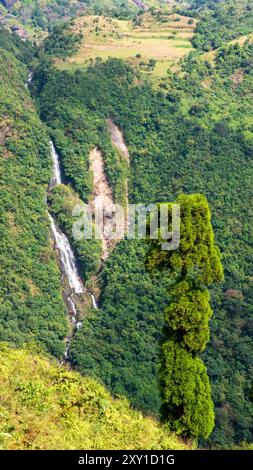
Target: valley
116, 344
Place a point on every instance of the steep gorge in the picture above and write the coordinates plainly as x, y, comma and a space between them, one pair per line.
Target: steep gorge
102, 203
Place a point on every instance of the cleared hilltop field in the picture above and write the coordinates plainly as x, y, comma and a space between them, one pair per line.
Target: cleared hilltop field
162, 37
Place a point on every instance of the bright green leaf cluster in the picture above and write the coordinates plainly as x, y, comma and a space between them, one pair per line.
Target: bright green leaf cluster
188, 314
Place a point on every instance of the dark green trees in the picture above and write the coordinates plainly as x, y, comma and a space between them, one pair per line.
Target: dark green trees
186, 393
62, 42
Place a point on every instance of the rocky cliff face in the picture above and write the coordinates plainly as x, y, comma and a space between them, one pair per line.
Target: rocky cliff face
8, 3
140, 4
38, 14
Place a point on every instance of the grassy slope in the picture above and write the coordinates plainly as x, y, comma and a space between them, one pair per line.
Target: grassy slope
45, 406
166, 41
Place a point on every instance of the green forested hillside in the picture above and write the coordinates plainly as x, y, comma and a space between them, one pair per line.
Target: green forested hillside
31, 304
45, 406
190, 133
194, 135
22, 50
220, 21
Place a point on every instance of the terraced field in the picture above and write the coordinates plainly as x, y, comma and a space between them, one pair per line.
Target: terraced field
163, 38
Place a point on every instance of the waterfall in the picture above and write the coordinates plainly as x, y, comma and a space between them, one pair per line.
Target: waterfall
29, 79
94, 303
57, 177
76, 324
66, 253
67, 258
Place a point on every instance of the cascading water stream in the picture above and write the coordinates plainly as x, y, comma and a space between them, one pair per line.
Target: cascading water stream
57, 177
67, 257
94, 303
29, 79
66, 253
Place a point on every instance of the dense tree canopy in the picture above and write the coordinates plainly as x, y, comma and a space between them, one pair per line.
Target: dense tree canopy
192, 135
220, 22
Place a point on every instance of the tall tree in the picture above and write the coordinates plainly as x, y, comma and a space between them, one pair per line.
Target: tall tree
195, 265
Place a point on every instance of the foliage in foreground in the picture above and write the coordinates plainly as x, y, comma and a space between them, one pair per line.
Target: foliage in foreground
45, 406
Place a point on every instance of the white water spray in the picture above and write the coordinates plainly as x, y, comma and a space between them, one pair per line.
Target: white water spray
67, 258
57, 176
66, 253
29, 79
94, 303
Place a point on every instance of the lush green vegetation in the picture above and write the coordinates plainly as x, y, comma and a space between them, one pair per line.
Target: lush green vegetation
23, 51
62, 42
220, 22
35, 16
31, 304
114, 8
45, 406
128, 329
77, 126
193, 135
